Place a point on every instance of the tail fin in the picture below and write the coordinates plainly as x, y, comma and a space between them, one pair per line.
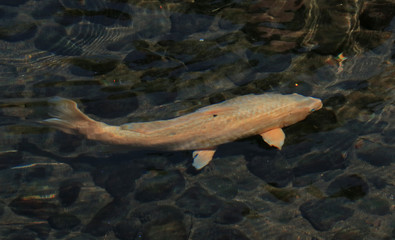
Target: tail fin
67, 117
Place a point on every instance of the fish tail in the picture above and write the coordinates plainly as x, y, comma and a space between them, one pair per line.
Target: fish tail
68, 118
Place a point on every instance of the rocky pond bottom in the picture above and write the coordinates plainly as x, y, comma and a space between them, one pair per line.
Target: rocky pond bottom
343, 194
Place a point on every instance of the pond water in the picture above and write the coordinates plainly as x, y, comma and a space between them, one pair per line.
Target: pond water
133, 60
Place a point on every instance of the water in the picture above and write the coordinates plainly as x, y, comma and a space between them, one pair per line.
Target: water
126, 61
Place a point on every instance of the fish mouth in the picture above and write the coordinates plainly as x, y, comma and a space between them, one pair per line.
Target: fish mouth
316, 104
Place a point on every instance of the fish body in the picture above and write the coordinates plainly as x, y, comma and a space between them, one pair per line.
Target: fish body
202, 130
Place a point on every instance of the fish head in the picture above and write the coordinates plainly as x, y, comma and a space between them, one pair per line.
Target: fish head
299, 108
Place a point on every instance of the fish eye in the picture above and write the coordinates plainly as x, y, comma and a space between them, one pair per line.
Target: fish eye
312, 110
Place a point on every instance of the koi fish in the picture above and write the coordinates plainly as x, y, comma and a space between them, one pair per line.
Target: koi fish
201, 131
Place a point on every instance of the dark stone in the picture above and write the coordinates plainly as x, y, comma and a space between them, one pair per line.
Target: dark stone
336, 100
267, 168
36, 208
269, 63
197, 201
388, 133
352, 187
152, 22
349, 235
321, 120
108, 17
352, 85
375, 153
17, 31
42, 229
88, 5
217, 60
184, 24
13, 90
377, 15
221, 186
8, 71
10, 159
22, 235
121, 183
82, 237
174, 230
109, 177
323, 214
1, 208
283, 194
46, 9
68, 192
320, 162
69, 16
217, 232
288, 236
376, 206
92, 66
70, 143
126, 230
53, 38
36, 173
305, 180
47, 86
159, 98
63, 221
116, 105
160, 187
144, 60
158, 214
101, 223
12, 2
232, 212
378, 182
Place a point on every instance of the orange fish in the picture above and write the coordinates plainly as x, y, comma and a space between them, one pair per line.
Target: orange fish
201, 131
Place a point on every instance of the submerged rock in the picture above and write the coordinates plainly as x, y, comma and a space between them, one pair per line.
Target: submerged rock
36, 208
17, 31
92, 66
222, 186
352, 187
197, 201
159, 187
375, 206
53, 38
63, 221
216, 232
174, 230
374, 152
126, 230
232, 212
116, 105
103, 221
267, 168
68, 192
323, 214
159, 214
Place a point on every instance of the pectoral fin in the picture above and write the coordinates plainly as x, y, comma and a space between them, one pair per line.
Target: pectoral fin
274, 137
202, 157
